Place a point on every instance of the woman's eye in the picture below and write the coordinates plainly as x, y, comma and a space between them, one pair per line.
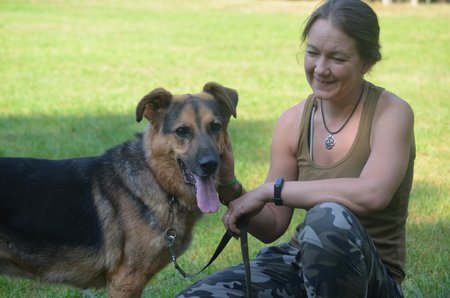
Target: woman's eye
339, 59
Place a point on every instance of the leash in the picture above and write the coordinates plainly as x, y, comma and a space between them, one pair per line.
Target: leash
246, 259
171, 236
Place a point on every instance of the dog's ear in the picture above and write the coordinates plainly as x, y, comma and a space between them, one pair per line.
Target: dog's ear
225, 96
150, 104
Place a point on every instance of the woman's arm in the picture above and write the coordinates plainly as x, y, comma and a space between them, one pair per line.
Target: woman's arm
391, 138
392, 134
269, 222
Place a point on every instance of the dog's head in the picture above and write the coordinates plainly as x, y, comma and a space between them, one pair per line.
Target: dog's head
187, 136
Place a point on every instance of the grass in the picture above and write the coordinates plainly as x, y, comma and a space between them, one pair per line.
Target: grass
71, 73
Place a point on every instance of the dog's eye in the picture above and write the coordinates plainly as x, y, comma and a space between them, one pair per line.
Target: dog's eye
215, 127
182, 131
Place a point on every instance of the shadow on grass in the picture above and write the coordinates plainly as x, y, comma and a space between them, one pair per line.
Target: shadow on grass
58, 137
63, 136
428, 246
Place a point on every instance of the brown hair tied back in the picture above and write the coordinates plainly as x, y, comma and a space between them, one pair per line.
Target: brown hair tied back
357, 20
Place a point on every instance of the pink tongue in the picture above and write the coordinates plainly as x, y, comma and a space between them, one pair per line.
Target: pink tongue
207, 199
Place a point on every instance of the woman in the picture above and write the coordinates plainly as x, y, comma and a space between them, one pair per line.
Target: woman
346, 155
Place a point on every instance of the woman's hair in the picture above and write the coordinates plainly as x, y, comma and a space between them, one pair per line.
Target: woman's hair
357, 20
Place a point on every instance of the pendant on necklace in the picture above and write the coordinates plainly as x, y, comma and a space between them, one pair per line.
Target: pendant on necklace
330, 142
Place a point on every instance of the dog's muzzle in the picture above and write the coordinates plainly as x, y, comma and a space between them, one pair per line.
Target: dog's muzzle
202, 186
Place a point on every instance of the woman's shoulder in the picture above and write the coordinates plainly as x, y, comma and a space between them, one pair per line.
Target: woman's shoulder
390, 102
393, 111
293, 114
287, 128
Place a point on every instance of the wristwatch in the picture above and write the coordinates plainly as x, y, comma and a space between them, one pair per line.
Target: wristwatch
277, 191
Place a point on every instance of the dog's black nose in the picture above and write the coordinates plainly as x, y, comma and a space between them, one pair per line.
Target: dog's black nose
208, 165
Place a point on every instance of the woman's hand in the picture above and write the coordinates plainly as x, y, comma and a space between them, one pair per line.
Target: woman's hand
243, 208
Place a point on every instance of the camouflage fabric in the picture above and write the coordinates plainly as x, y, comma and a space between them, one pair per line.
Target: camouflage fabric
337, 259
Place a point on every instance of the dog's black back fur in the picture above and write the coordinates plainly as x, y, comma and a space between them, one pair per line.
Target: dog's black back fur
55, 207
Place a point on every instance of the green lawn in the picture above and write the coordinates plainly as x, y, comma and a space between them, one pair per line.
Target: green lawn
72, 72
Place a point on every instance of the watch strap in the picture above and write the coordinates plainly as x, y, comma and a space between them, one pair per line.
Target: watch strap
277, 187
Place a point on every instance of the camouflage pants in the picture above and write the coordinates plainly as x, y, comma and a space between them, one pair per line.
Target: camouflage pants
337, 259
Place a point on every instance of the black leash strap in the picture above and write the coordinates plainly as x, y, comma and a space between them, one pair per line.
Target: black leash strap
171, 236
246, 260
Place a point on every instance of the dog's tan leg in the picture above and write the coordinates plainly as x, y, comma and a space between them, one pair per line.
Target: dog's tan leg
126, 282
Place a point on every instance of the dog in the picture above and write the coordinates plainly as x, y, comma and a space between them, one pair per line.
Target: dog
101, 221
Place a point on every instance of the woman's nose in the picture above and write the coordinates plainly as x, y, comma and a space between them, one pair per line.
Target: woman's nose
321, 66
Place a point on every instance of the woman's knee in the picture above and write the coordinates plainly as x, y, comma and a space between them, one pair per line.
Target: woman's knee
327, 224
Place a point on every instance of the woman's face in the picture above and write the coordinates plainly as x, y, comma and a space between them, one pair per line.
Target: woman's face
333, 67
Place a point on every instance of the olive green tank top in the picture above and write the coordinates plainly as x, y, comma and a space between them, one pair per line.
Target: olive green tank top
386, 227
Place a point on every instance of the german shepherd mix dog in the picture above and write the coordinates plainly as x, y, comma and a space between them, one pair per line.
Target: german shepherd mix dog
101, 221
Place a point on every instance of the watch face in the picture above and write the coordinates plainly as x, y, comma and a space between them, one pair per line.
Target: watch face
278, 182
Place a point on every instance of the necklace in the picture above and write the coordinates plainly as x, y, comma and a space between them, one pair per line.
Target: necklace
330, 141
